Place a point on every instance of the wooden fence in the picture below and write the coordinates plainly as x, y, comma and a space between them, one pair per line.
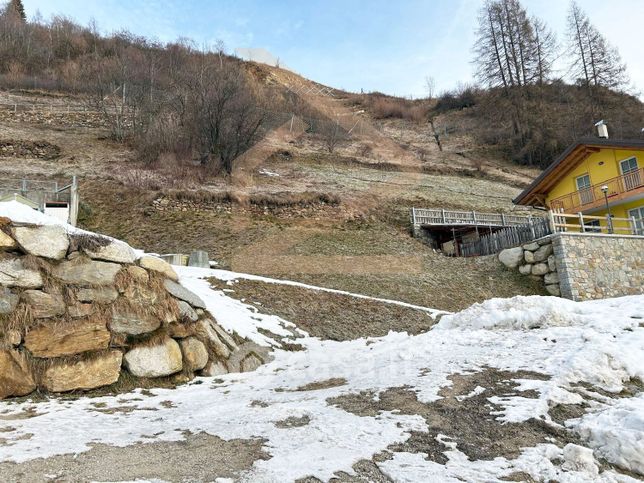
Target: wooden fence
592, 224
507, 237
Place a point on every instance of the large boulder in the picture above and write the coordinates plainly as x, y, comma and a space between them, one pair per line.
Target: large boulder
47, 241
6, 242
195, 354
214, 368
92, 372
48, 340
112, 251
14, 274
130, 322
43, 305
101, 295
182, 293
247, 357
15, 376
539, 268
158, 265
157, 360
532, 246
528, 256
554, 289
525, 269
8, 301
81, 271
552, 263
138, 274
511, 257
543, 253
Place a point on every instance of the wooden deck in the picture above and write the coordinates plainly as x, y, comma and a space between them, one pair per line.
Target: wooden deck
449, 218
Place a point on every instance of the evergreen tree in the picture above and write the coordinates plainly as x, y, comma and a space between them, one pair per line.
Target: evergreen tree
16, 8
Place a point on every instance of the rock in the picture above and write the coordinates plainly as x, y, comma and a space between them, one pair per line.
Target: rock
246, 356
14, 274
539, 268
158, 265
80, 310
214, 368
511, 257
205, 328
158, 360
49, 340
531, 246
15, 376
552, 277
8, 301
182, 293
543, 253
43, 305
101, 295
138, 274
579, 458
554, 290
552, 264
525, 269
47, 241
86, 272
199, 258
6, 242
224, 336
187, 312
195, 354
90, 373
115, 251
528, 256
250, 363
128, 322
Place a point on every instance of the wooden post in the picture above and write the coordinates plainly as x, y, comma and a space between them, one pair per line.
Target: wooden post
581, 222
73, 202
551, 219
503, 219
633, 223
443, 215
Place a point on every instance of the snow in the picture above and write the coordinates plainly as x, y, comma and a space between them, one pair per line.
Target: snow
598, 343
266, 172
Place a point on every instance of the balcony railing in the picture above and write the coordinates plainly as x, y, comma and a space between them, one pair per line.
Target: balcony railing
593, 196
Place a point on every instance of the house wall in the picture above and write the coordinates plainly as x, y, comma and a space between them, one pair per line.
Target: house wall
601, 166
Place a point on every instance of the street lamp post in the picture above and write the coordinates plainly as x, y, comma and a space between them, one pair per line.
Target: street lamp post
610, 218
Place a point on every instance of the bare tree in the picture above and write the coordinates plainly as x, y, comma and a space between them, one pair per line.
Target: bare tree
430, 86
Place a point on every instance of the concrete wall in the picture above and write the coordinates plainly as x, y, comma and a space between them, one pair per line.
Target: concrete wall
592, 266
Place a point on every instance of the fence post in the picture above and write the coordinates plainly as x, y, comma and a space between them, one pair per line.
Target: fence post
443, 215
73, 202
581, 222
551, 219
503, 219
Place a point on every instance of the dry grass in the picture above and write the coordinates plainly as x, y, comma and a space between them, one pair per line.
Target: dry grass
269, 200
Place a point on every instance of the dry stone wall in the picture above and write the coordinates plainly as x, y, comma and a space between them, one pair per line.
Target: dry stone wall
536, 260
80, 311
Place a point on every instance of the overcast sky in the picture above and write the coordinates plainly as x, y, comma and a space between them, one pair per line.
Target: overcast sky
384, 45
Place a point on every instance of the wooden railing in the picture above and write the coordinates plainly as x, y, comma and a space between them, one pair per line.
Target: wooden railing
585, 224
421, 216
583, 199
508, 237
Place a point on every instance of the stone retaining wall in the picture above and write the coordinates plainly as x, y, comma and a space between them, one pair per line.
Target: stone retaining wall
582, 266
593, 266
78, 311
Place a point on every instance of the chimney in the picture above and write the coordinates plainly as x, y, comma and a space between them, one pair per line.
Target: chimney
602, 129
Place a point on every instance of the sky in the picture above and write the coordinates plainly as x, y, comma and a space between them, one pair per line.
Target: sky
375, 45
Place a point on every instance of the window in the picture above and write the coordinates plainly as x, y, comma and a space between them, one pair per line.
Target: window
631, 173
638, 214
584, 189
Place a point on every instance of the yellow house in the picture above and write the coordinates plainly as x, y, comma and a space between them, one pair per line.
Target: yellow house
594, 176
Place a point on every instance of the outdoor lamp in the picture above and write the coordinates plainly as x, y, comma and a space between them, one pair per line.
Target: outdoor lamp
604, 190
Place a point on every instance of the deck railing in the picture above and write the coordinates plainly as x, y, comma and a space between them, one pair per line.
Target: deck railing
584, 199
421, 216
580, 223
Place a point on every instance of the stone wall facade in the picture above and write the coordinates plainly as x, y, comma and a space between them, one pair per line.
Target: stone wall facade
78, 311
593, 266
582, 266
